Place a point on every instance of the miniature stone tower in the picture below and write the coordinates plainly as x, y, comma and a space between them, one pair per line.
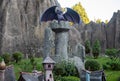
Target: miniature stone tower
61, 39
48, 64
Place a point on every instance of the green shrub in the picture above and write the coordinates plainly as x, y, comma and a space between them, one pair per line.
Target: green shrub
65, 68
6, 57
113, 65
118, 79
92, 65
26, 66
106, 66
17, 56
1, 59
87, 47
59, 70
96, 49
70, 78
33, 62
112, 53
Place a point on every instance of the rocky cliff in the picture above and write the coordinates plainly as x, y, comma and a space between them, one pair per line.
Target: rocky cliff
20, 29
108, 34
113, 31
94, 31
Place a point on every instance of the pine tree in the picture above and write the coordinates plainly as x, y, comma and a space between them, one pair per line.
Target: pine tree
81, 11
96, 48
87, 47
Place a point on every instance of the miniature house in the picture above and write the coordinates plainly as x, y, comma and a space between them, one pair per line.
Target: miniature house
34, 76
48, 64
94, 76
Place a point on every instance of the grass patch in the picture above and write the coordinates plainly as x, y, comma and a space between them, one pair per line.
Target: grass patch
110, 75
25, 65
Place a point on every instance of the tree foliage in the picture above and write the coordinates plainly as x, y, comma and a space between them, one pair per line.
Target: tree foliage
17, 56
96, 49
1, 59
87, 47
65, 68
6, 57
81, 11
112, 53
98, 20
106, 21
92, 65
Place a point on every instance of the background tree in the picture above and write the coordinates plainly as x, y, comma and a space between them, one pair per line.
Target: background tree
81, 11
17, 56
106, 21
98, 20
87, 47
96, 49
6, 57
112, 53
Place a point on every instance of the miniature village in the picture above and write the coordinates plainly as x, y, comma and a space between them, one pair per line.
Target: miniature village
42, 29
61, 31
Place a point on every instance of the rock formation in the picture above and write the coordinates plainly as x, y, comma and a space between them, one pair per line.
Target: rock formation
20, 29
108, 34
48, 43
94, 31
61, 39
74, 51
113, 31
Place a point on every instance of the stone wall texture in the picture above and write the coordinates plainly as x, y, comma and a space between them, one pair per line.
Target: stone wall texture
20, 29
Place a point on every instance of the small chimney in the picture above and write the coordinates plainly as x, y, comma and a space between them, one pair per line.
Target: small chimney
2, 70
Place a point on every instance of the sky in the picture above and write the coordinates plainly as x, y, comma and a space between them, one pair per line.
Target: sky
95, 9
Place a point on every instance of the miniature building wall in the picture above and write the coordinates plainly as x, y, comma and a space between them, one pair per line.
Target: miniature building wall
94, 76
9, 73
48, 64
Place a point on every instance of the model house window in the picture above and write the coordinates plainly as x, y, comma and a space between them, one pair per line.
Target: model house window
50, 76
49, 66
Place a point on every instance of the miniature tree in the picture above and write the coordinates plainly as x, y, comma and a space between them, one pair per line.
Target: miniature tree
17, 56
96, 49
87, 47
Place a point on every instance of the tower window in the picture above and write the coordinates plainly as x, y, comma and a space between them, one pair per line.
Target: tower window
49, 66
50, 76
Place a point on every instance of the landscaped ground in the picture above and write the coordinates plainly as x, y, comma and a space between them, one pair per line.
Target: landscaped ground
25, 65
110, 75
